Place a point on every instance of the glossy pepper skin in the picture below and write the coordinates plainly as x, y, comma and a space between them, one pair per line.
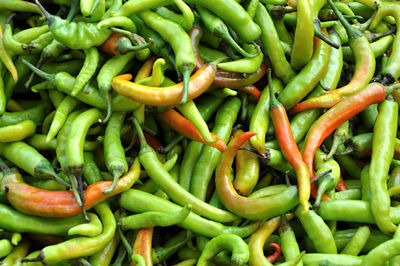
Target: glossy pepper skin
383, 143
391, 71
250, 208
166, 96
364, 70
308, 77
290, 151
230, 11
34, 201
86, 35
334, 117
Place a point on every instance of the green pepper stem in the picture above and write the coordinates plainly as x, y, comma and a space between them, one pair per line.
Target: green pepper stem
391, 88
319, 34
352, 32
125, 242
322, 187
116, 173
224, 33
139, 131
186, 79
40, 73
273, 101
50, 18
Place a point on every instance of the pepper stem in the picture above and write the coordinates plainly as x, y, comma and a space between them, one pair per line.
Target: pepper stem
323, 37
391, 88
37, 71
273, 101
352, 32
322, 187
109, 109
117, 173
50, 18
139, 131
124, 45
186, 78
125, 242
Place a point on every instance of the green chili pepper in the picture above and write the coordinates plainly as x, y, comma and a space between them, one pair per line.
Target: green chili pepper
382, 153
229, 11
5, 247
343, 237
30, 160
391, 72
160, 176
317, 231
17, 254
74, 35
73, 248
113, 150
290, 248
207, 107
179, 41
17, 132
87, 71
90, 170
152, 219
270, 40
216, 26
91, 229
357, 242
308, 77
209, 157
174, 244
328, 181
382, 253
61, 114
16, 221
159, 46
304, 34
245, 65
240, 250
139, 201
259, 121
340, 259
64, 82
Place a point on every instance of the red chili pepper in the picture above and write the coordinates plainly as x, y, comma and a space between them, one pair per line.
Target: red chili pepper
274, 256
334, 117
40, 202
341, 186
252, 90
182, 125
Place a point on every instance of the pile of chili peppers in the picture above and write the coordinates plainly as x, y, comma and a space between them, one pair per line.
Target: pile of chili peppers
199, 132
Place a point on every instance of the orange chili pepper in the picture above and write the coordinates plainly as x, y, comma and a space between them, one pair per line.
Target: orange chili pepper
142, 245
334, 117
288, 145
165, 96
40, 202
182, 125
110, 46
